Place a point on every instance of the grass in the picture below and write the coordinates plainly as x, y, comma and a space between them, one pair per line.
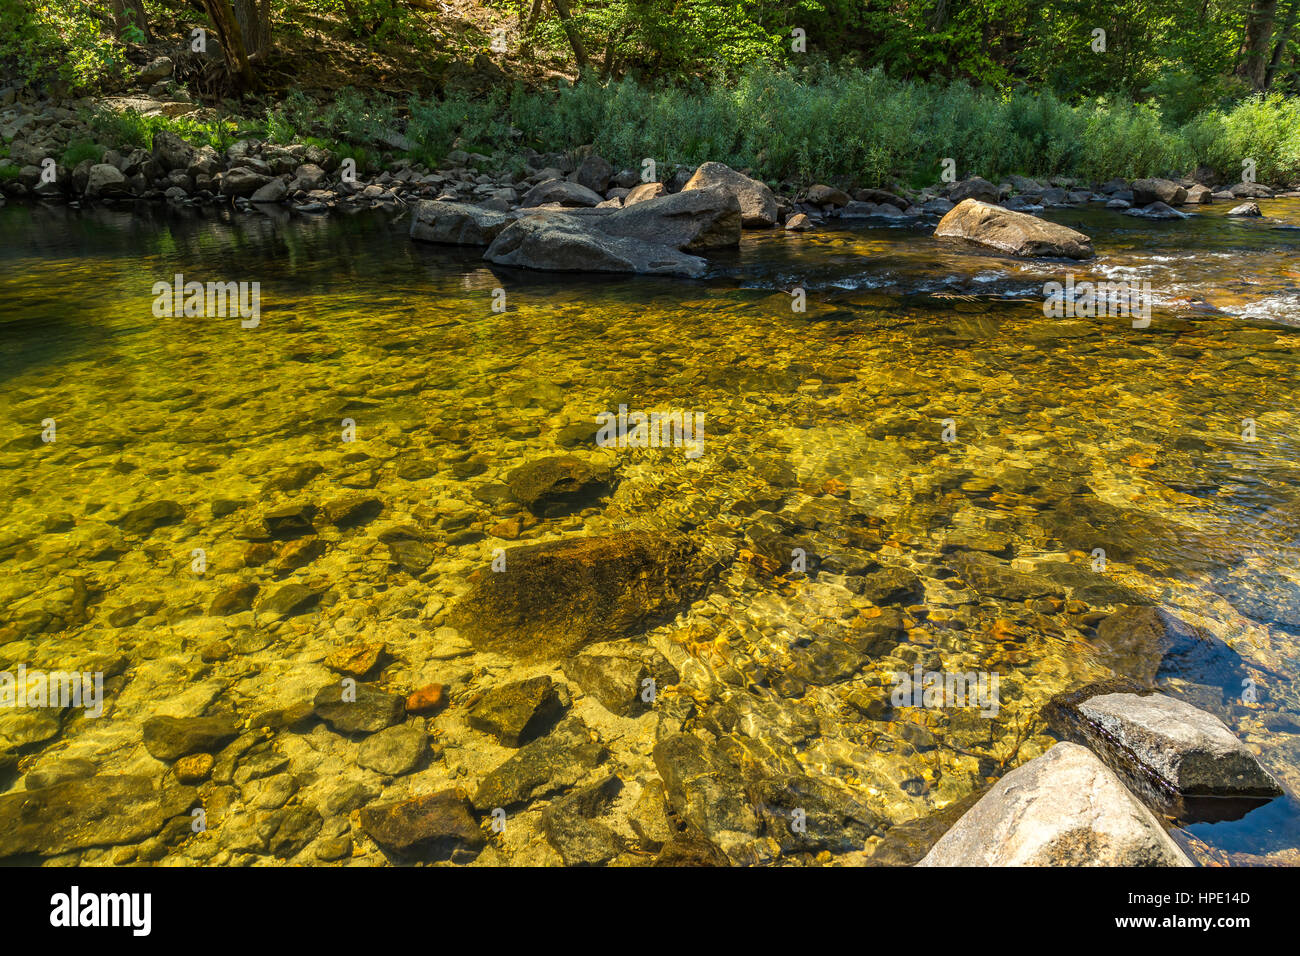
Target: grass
81, 151
841, 125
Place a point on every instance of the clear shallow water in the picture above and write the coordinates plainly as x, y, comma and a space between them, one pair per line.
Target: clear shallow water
823, 427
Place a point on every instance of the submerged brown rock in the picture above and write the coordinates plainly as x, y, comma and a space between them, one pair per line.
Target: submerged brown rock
553, 599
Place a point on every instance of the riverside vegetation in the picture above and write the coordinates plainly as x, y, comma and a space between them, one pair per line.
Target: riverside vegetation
364, 582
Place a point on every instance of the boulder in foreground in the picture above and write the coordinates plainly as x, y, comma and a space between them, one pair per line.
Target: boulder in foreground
1065, 808
1016, 233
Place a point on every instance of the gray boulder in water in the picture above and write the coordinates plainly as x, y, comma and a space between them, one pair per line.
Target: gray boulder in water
1065, 808
652, 237
1191, 751
457, 223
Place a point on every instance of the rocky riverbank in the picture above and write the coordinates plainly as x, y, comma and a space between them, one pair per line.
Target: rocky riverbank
258, 176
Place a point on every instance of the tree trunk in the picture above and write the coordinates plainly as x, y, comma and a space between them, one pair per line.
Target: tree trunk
231, 39
1254, 49
254, 18
131, 13
571, 31
1283, 38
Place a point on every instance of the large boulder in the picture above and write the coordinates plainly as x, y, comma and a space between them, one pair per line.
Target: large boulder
1016, 233
562, 192
594, 173
562, 244
1065, 808
105, 180
171, 152
242, 181
690, 221
977, 187
649, 238
758, 207
457, 223
1147, 191
1189, 750
552, 599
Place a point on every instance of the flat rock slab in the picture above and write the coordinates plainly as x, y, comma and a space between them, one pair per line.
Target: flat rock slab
549, 765
1191, 751
1065, 808
98, 811
1016, 233
552, 599
457, 223
170, 737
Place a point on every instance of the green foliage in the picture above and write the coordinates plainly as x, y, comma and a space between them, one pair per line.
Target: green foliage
80, 151
131, 128
49, 41
863, 126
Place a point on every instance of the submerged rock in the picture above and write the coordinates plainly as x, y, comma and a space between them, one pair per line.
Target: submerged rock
97, 811
617, 675
1016, 233
705, 789
549, 765
1065, 808
555, 598
170, 737
517, 713
146, 518
394, 750
573, 832
1146, 644
559, 485
438, 825
354, 708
